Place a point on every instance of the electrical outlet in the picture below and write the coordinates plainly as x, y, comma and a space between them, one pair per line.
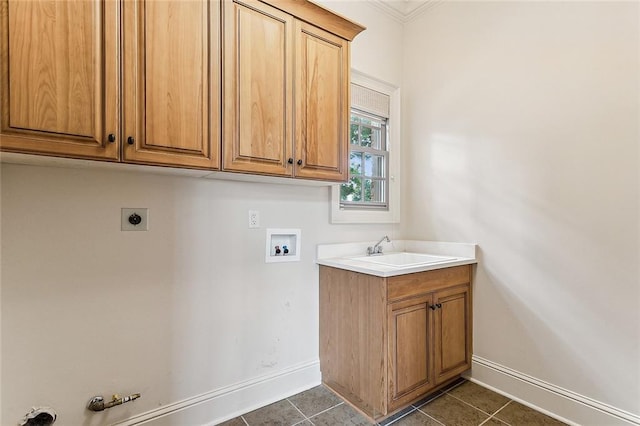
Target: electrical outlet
254, 219
134, 219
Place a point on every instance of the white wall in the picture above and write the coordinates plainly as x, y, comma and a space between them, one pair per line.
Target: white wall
187, 308
522, 123
377, 50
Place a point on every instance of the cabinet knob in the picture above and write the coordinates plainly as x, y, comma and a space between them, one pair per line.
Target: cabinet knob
290, 161
432, 307
438, 305
130, 140
111, 138
299, 162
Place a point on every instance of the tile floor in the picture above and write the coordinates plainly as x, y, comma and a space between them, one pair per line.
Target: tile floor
464, 403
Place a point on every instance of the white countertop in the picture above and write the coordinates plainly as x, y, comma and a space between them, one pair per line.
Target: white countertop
342, 256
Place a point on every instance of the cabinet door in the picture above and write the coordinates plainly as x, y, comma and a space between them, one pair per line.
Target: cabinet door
59, 77
171, 82
452, 326
322, 104
410, 345
258, 56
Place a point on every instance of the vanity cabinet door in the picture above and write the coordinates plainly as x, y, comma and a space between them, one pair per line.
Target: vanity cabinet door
171, 113
410, 363
59, 79
452, 332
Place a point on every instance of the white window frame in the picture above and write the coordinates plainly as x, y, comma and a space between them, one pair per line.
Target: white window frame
392, 214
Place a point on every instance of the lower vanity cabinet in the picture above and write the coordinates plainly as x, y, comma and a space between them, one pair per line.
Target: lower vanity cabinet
387, 342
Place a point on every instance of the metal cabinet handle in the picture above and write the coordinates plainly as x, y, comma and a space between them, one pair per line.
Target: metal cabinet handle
299, 162
438, 305
111, 138
130, 140
290, 161
432, 307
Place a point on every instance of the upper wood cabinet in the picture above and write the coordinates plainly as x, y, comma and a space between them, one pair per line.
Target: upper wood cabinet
161, 82
59, 77
322, 104
60, 73
258, 88
171, 83
286, 89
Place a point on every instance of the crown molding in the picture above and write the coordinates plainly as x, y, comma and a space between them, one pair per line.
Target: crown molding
400, 16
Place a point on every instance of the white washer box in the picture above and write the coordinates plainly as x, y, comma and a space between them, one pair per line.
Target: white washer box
281, 238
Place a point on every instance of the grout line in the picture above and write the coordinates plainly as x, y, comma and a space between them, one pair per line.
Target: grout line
244, 420
298, 410
472, 406
497, 411
324, 411
431, 417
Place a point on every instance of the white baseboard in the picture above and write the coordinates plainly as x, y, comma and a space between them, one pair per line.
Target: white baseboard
562, 404
225, 403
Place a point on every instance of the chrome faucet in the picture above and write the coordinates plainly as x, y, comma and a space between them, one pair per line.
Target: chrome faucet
377, 248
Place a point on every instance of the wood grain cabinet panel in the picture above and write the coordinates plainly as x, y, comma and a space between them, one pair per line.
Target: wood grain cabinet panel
286, 89
382, 362
452, 326
322, 107
410, 362
172, 82
258, 43
141, 81
59, 77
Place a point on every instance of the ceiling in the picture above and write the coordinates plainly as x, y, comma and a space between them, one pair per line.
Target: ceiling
403, 10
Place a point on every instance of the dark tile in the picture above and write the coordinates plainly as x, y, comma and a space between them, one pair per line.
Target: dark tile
233, 422
453, 412
482, 398
519, 415
341, 415
280, 413
416, 419
494, 422
315, 400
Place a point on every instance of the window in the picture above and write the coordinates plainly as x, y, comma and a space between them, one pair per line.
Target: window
372, 193
368, 163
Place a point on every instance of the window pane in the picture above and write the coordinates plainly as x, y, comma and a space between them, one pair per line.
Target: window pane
373, 191
373, 165
367, 169
365, 136
376, 141
354, 134
373, 122
355, 163
352, 190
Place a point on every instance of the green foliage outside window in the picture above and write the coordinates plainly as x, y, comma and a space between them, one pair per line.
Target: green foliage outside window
366, 162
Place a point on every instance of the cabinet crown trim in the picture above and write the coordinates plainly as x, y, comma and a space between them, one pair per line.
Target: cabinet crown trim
319, 16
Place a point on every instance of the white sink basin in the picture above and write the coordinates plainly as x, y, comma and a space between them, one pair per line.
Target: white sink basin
404, 260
